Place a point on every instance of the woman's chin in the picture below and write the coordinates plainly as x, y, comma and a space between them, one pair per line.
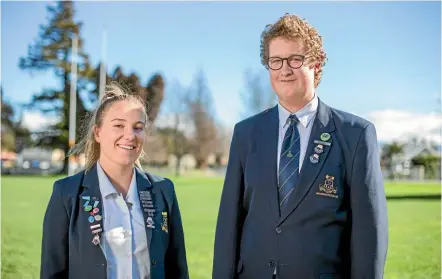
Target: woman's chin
125, 162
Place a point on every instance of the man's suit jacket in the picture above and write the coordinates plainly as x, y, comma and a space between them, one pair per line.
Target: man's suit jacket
335, 223
67, 247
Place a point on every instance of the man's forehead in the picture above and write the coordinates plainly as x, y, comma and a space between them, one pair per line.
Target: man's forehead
282, 45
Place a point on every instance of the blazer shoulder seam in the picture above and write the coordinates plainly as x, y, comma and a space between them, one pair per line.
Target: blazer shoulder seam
60, 185
356, 147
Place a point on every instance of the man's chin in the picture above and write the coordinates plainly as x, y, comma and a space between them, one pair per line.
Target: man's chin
289, 96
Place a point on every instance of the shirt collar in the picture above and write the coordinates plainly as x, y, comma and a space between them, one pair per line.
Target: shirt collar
107, 188
305, 115
132, 194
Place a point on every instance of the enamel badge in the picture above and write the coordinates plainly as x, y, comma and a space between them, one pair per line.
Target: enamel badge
94, 217
164, 223
328, 189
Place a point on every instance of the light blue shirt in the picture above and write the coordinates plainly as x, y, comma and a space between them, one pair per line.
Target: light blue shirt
124, 243
305, 116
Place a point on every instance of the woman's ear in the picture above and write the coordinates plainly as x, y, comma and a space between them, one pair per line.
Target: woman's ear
96, 132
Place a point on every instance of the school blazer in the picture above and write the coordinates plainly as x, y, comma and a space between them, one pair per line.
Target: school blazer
69, 245
335, 225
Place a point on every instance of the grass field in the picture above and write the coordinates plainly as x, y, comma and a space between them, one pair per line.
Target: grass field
414, 247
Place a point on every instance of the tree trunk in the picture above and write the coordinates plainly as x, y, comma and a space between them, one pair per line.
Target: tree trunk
201, 163
218, 159
177, 166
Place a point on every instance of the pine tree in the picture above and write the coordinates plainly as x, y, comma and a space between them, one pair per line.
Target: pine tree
52, 50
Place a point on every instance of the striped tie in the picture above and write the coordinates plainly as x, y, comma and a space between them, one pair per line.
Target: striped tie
289, 162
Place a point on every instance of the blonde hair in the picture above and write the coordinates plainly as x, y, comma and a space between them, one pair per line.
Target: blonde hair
293, 27
113, 92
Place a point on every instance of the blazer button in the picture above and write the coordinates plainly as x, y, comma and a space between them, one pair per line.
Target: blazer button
154, 261
271, 263
278, 230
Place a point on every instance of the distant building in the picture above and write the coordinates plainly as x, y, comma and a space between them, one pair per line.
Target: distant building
403, 166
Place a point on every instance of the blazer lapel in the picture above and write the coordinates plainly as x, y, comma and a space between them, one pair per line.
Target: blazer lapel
322, 125
266, 135
91, 210
147, 201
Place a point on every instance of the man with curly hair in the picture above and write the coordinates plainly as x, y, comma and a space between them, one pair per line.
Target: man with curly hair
303, 196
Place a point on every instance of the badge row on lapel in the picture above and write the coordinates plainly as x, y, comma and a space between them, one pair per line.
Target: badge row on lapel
319, 148
148, 204
90, 206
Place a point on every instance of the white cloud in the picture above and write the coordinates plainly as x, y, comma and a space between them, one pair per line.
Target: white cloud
400, 125
36, 121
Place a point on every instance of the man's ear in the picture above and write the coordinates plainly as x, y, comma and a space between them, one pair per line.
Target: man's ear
317, 68
96, 132
314, 65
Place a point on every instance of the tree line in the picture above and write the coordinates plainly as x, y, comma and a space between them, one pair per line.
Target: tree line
195, 128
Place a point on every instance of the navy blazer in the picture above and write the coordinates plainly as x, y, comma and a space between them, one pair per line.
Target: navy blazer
335, 223
68, 250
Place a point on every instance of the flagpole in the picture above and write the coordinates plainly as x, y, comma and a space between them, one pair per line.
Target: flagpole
73, 103
103, 64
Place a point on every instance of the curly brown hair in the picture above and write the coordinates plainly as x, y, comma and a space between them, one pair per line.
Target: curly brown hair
293, 27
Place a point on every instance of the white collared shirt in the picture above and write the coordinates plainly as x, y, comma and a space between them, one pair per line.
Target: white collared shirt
124, 243
305, 116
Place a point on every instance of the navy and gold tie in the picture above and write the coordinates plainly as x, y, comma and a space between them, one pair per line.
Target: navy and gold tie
289, 162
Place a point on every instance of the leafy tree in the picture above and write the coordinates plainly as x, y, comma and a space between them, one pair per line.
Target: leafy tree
152, 93
388, 152
431, 163
52, 50
7, 129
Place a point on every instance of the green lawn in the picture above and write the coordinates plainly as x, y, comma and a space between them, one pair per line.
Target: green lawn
414, 248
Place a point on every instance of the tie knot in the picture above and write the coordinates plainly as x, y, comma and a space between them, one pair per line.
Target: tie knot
292, 119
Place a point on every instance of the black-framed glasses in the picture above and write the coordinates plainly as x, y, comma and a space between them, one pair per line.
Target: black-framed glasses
294, 61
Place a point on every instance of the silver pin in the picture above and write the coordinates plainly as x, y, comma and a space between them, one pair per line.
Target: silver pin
322, 142
319, 148
97, 231
96, 240
314, 158
150, 223
151, 212
145, 195
147, 204
95, 226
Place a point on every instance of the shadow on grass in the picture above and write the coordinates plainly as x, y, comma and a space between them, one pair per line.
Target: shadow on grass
415, 197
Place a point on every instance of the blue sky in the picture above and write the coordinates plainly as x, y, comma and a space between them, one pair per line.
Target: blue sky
382, 55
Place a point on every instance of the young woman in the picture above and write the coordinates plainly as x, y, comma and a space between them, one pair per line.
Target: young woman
113, 220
